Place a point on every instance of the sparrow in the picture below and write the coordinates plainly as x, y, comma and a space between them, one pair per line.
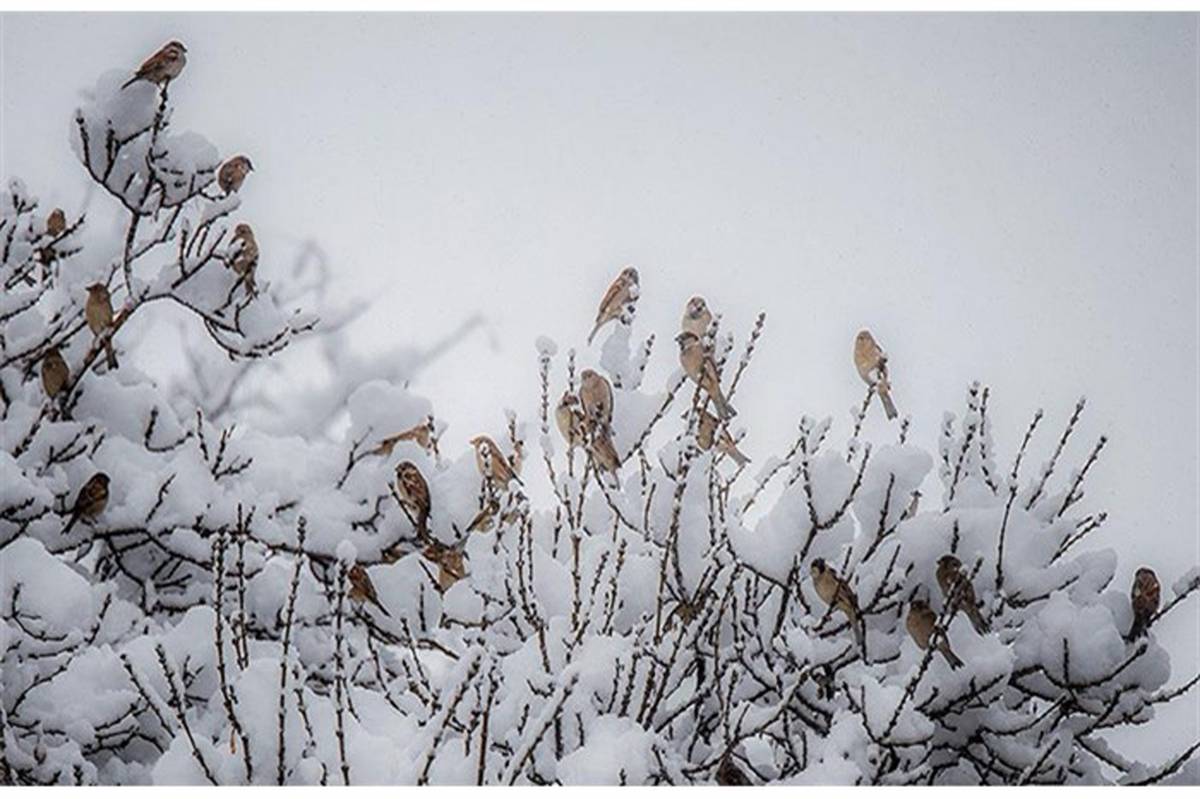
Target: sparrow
414, 494
99, 313
837, 593
449, 562
595, 394
55, 372
913, 504
952, 581
56, 223
233, 173
421, 434
729, 774
362, 589
569, 417
622, 293
707, 433
245, 254
90, 502
699, 367
604, 454
921, 623
491, 461
871, 363
1144, 597
162, 67
696, 318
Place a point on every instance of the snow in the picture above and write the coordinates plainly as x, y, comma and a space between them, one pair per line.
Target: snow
636, 632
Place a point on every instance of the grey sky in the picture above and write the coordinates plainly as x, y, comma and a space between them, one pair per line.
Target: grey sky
1005, 198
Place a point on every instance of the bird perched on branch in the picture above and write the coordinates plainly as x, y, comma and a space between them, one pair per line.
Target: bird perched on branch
957, 588
99, 313
569, 418
710, 432
162, 67
700, 367
56, 223
244, 259
603, 451
55, 372
362, 590
622, 294
697, 319
420, 434
414, 494
90, 502
835, 592
233, 173
491, 462
871, 362
1144, 597
449, 561
922, 626
595, 394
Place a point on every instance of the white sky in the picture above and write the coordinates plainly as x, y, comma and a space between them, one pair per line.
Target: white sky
1005, 198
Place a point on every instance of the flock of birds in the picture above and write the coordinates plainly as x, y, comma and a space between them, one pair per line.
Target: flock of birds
584, 420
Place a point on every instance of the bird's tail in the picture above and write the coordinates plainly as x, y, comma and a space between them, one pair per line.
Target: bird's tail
724, 409
592, 335
1138, 629
885, 397
977, 621
604, 453
954, 660
70, 523
738, 456
130, 82
375, 601
109, 355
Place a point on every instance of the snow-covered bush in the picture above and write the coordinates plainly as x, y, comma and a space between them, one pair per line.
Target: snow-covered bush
256, 602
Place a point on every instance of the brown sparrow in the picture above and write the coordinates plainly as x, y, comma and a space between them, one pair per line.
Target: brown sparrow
596, 396
834, 591
99, 313
362, 590
699, 367
414, 494
421, 434
569, 417
1144, 597
56, 223
696, 318
921, 622
245, 254
233, 173
952, 581
707, 433
162, 67
622, 293
871, 363
449, 561
91, 500
55, 372
604, 454
491, 461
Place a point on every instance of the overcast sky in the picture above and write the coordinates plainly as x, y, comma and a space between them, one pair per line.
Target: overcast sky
1005, 198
